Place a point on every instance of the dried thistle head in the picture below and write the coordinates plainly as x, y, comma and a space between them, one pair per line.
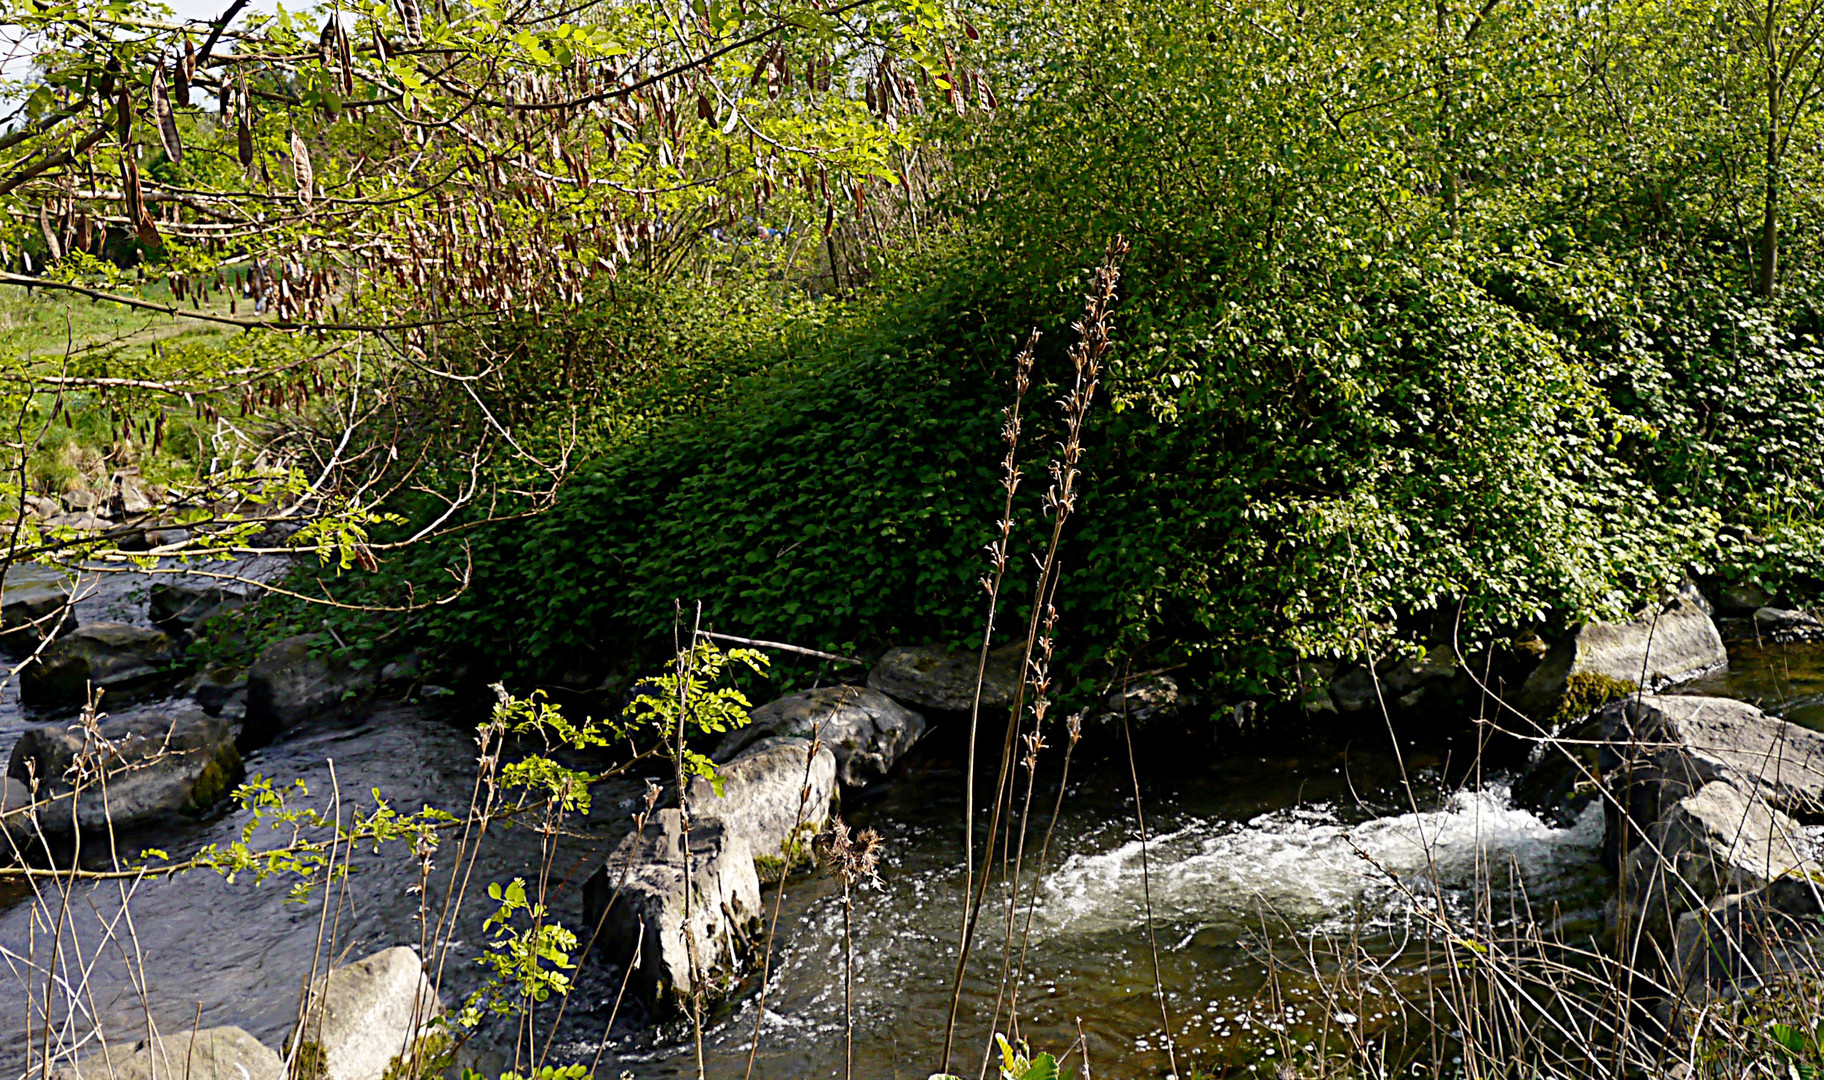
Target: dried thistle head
854, 858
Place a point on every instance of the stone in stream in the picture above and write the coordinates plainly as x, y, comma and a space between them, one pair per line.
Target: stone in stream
363, 1018
218, 1053
774, 798
155, 760
1148, 698
117, 657
177, 604
295, 679
1713, 842
1660, 748
34, 604
15, 826
635, 908
1780, 625
1675, 644
866, 730
931, 677
1736, 941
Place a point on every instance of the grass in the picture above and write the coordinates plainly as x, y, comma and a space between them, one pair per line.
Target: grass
49, 322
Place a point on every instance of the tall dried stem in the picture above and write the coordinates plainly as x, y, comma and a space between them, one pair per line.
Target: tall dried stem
1092, 344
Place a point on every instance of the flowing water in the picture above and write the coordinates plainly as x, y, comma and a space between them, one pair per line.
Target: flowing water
1253, 862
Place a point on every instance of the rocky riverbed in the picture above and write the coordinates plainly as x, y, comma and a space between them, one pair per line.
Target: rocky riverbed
1254, 855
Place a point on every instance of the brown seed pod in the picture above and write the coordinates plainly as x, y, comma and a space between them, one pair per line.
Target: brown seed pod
243, 122
413, 18
123, 115
301, 169
165, 118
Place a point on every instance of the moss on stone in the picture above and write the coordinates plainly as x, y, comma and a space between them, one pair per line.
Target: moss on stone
429, 1057
217, 778
311, 1062
1587, 691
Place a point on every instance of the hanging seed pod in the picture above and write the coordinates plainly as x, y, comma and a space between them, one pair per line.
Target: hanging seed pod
413, 19
243, 126
186, 70
165, 119
381, 52
345, 56
123, 115
301, 169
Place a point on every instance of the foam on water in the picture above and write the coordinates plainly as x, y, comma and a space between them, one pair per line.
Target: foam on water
1308, 865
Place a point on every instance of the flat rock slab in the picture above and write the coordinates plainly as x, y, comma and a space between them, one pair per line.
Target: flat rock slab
138, 766
112, 656
1678, 643
364, 1016
930, 677
34, 605
775, 798
867, 730
218, 1053
1681, 743
1716, 841
680, 927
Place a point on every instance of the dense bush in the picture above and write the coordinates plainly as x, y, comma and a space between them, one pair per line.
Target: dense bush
1376, 357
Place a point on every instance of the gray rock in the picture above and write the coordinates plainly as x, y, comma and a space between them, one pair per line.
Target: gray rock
1713, 842
1669, 745
775, 798
1353, 689
294, 679
146, 763
34, 603
167, 537
1736, 942
82, 523
1781, 625
15, 824
40, 507
1673, 645
928, 677
1145, 699
178, 604
117, 657
1743, 596
362, 1017
407, 668
219, 1053
867, 731
635, 907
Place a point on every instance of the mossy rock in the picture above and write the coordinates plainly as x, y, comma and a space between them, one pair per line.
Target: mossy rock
1587, 691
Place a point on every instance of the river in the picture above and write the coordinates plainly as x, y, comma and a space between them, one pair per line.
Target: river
1255, 862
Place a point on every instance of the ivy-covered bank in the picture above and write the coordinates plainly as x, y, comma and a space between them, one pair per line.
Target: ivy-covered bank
1419, 317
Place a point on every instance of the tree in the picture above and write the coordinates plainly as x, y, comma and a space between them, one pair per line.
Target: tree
377, 190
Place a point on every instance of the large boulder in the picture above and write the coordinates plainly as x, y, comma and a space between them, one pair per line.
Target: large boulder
146, 763
1663, 747
218, 1053
774, 795
117, 657
866, 730
1716, 841
1674, 644
34, 605
930, 677
362, 1018
635, 906
295, 679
